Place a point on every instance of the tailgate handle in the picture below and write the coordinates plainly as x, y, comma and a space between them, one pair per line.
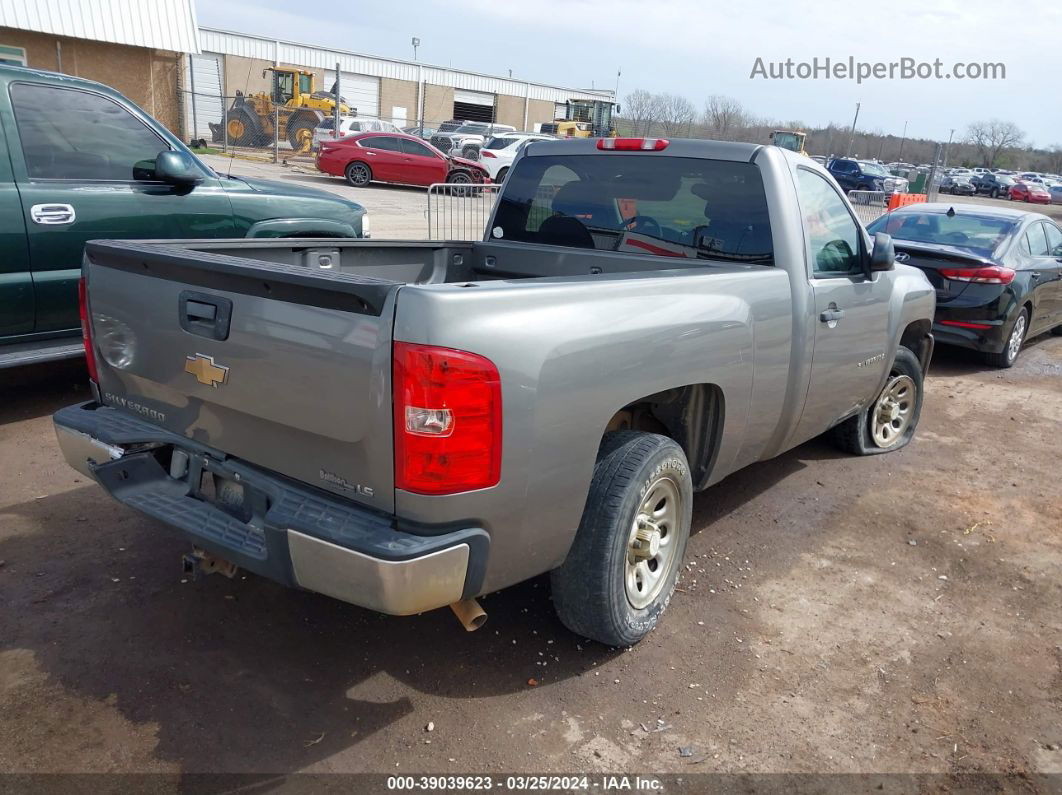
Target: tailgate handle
205, 315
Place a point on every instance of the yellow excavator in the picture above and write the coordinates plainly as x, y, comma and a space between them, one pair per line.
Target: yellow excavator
583, 118
299, 109
793, 140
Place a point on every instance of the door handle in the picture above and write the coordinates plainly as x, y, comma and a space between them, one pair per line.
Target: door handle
52, 214
204, 315
831, 315
1036, 274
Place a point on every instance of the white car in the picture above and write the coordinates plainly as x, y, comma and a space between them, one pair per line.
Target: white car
349, 125
499, 152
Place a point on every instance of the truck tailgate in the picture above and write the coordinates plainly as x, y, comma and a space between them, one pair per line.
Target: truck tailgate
283, 366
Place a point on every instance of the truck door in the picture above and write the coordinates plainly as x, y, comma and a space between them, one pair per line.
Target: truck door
84, 167
851, 311
16, 283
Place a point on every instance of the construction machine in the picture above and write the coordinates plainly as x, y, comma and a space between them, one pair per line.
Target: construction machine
584, 118
793, 140
293, 105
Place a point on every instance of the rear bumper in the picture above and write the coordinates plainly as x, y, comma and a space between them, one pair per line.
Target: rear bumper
277, 528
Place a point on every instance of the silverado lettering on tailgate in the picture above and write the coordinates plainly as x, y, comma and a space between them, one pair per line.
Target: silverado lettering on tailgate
125, 403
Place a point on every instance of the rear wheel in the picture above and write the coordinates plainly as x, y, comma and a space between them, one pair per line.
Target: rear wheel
358, 174
890, 421
1009, 355
501, 175
621, 571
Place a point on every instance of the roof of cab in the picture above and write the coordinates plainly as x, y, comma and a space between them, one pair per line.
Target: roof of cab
677, 147
11, 73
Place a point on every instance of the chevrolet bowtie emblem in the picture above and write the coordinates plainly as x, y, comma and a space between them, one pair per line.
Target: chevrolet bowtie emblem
205, 371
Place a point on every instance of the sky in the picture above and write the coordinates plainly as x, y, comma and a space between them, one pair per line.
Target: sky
702, 47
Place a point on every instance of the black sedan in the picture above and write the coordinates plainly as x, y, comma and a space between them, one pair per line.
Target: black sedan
958, 186
997, 272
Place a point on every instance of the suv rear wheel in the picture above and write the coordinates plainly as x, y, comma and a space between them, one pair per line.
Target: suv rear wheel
621, 571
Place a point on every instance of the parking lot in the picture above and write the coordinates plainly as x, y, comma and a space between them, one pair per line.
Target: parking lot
892, 613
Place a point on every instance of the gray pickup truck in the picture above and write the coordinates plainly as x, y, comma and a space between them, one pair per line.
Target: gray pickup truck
406, 426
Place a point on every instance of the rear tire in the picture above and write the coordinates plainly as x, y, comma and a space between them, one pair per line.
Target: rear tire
358, 174
890, 421
621, 570
1018, 333
501, 175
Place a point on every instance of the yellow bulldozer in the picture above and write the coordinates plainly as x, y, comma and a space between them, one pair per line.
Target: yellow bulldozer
294, 106
793, 140
583, 118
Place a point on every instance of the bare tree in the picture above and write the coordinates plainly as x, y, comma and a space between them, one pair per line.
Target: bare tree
1054, 159
992, 138
676, 114
641, 110
724, 118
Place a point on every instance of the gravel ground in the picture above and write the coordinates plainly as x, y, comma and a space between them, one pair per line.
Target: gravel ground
898, 613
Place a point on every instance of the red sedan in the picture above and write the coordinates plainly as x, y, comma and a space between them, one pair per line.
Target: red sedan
394, 157
1029, 192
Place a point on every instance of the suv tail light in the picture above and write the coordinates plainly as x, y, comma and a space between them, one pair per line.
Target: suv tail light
487, 153
993, 274
447, 420
86, 329
633, 144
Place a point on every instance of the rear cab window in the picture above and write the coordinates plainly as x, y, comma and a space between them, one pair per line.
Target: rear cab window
683, 208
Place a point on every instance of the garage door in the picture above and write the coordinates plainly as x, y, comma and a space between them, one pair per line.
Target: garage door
361, 92
203, 100
473, 106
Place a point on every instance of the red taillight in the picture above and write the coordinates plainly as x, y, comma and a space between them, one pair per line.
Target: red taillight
447, 420
963, 324
487, 153
993, 274
86, 329
633, 144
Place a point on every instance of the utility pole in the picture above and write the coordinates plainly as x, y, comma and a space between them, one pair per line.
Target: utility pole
851, 135
948, 148
931, 178
335, 112
616, 95
902, 140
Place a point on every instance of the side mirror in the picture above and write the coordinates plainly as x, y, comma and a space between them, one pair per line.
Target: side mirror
883, 257
177, 168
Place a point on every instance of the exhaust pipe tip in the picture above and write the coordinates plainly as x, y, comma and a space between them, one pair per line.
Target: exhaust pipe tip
470, 614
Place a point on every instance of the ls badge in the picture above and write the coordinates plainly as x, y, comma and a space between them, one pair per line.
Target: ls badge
205, 370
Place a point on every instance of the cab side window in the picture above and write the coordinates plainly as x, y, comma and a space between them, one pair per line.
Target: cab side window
77, 135
833, 237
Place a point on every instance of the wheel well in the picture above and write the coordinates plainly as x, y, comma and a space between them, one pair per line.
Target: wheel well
692, 415
916, 338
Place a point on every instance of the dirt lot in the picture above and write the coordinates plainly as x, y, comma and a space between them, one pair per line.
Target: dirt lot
898, 613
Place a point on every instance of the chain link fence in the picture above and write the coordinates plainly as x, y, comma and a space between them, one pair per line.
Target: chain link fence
868, 204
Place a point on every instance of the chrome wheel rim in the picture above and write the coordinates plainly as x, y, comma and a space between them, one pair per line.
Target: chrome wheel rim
893, 411
651, 543
1017, 337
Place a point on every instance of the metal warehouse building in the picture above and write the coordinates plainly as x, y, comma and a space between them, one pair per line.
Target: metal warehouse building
154, 52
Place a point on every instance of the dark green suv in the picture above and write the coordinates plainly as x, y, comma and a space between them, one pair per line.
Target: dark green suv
78, 161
